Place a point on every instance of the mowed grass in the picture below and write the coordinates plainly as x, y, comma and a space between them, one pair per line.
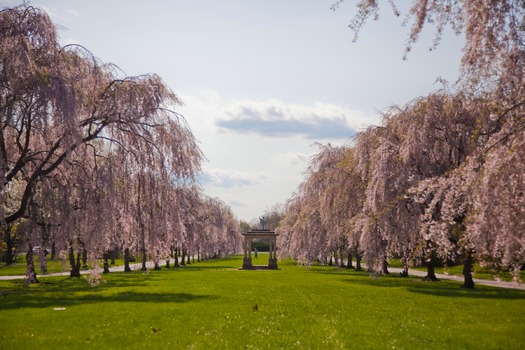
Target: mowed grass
213, 305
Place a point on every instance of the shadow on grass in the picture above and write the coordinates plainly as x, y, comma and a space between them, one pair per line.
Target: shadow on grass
196, 267
49, 300
442, 288
115, 287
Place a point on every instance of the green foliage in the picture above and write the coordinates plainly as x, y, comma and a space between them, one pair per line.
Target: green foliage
213, 305
261, 245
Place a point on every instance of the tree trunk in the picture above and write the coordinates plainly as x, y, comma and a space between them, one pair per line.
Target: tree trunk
126, 260
198, 254
176, 258
114, 254
405, 262
330, 262
9, 256
349, 264
74, 265
183, 261
341, 259
42, 259
358, 266
30, 272
336, 259
106, 262
84, 258
53, 251
385, 267
168, 262
468, 263
144, 257
189, 257
431, 274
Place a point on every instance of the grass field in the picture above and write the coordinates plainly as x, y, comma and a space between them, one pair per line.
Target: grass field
213, 305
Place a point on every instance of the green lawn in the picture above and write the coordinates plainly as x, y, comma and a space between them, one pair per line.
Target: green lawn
213, 305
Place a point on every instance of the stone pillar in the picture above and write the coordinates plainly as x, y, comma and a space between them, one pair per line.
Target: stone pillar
247, 262
272, 262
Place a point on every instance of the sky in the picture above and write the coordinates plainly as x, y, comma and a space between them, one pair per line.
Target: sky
263, 83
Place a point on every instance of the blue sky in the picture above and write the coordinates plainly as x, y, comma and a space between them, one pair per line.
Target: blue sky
261, 81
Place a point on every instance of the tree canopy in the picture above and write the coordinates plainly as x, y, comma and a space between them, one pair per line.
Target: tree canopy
441, 177
92, 160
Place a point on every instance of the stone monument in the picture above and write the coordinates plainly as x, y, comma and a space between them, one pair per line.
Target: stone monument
262, 233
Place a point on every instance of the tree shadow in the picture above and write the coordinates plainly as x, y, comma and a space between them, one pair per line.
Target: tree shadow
201, 267
114, 287
68, 300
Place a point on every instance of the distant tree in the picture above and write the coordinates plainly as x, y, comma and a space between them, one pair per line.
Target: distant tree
273, 216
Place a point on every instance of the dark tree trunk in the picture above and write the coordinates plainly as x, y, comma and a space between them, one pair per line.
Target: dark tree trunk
405, 262
53, 251
144, 257
183, 257
341, 259
42, 259
9, 255
176, 258
385, 267
30, 272
84, 258
126, 260
336, 259
114, 255
431, 274
168, 262
74, 264
198, 254
468, 263
358, 266
330, 262
106, 262
189, 259
349, 264
156, 266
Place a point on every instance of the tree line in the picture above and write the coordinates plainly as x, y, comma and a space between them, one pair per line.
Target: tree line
92, 160
441, 177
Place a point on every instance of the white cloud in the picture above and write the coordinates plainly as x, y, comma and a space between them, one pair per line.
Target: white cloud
230, 178
274, 118
291, 158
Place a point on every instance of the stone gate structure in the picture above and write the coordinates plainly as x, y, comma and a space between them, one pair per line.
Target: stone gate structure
265, 234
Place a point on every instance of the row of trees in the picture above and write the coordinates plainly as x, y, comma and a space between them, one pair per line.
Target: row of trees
442, 177
90, 160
